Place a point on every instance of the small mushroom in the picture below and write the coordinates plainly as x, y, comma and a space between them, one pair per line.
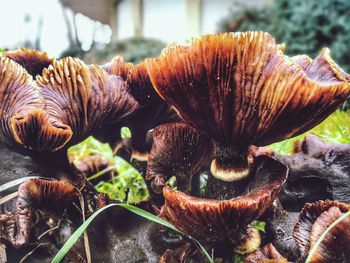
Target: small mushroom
32, 195
215, 220
33, 61
153, 110
266, 254
92, 164
178, 150
242, 90
313, 221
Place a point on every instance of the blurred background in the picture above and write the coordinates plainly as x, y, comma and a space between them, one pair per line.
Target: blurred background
96, 31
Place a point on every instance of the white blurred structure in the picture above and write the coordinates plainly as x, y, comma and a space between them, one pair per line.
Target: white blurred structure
167, 20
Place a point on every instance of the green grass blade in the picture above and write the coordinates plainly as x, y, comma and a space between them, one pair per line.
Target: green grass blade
71, 241
313, 250
75, 236
16, 182
149, 216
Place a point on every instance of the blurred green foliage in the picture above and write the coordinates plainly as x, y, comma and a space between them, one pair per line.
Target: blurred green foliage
334, 129
133, 50
127, 184
304, 26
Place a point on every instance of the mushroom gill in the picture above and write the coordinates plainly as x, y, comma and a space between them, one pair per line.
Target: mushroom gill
215, 220
313, 221
24, 123
153, 110
84, 97
242, 90
178, 150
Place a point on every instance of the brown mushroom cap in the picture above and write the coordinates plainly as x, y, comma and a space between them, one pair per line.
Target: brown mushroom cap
314, 219
242, 90
178, 150
222, 219
266, 254
33, 61
24, 124
32, 195
84, 97
153, 110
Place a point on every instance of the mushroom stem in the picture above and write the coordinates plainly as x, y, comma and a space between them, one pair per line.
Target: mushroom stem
230, 163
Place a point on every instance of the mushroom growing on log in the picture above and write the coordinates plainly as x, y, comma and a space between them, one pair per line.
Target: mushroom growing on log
242, 90
313, 221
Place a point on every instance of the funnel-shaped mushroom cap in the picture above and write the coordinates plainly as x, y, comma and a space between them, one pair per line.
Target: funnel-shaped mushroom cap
242, 90
84, 97
153, 111
313, 221
24, 124
178, 150
221, 219
32, 195
33, 61
266, 254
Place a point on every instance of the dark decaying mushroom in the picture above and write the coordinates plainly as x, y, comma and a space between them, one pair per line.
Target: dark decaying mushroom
314, 219
215, 220
33, 195
266, 254
153, 110
315, 162
242, 90
178, 150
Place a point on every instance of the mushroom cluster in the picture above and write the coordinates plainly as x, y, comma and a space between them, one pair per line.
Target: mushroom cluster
197, 108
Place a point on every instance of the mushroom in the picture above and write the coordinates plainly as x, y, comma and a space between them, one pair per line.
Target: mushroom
33, 61
153, 110
313, 221
22, 112
92, 164
64, 105
218, 220
33, 195
266, 254
178, 150
242, 90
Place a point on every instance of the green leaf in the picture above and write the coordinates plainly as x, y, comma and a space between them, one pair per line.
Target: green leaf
75, 236
313, 249
16, 182
1, 50
259, 225
125, 132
